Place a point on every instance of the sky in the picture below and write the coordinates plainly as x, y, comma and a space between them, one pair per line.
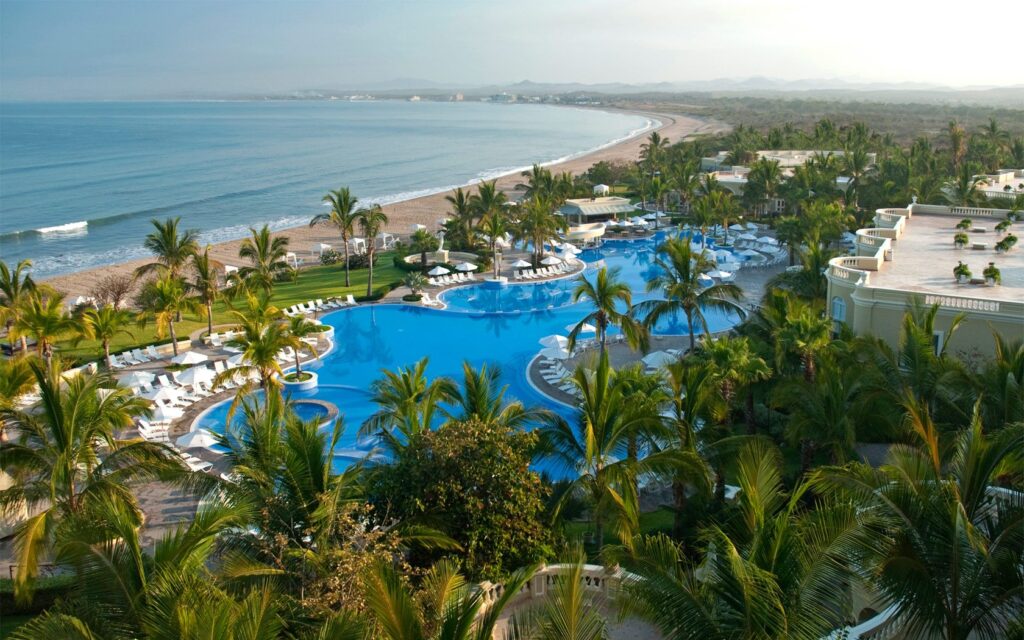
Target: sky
100, 49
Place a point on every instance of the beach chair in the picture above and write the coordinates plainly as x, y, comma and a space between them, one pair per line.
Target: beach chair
220, 366
116, 363
126, 357
432, 282
152, 353
138, 355
215, 341
350, 299
164, 381
517, 275
471, 276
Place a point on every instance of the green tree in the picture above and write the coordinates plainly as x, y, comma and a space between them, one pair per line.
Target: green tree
493, 226
260, 336
371, 222
481, 399
44, 319
16, 287
206, 282
166, 300
267, 256
613, 300
678, 279
423, 242
172, 249
342, 216
407, 402
296, 329
539, 224
104, 324
460, 227
735, 366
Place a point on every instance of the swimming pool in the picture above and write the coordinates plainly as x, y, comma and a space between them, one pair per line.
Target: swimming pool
500, 327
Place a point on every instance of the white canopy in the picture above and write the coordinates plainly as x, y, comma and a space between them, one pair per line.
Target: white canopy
750, 253
717, 273
550, 260
658, 359
555, 353
705, 279
586, 328
521, 264
554, 342
736, 227
189, 357
752, 226
194, 375
166, 414
602, 189
768, 240
136, 378
324, 247
198, 439
161, 393
747, 236
466, 266
438, 271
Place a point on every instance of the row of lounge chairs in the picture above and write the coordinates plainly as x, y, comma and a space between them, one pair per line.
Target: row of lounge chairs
546, 272
134, 357
555, 374
313, 306
158, 433
455, 278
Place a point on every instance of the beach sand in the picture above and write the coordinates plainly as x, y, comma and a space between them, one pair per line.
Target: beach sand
425, 210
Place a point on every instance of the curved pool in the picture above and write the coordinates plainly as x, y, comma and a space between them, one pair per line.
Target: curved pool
497, 326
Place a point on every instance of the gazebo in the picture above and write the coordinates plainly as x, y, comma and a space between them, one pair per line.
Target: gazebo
602, 189
323, 248
291, 258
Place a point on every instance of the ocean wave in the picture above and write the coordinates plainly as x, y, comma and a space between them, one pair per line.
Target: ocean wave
70, 227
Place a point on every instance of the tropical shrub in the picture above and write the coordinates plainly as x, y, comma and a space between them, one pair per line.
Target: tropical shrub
961, 270
330, 257
1006, 243
961, 239
991, 272
966, 223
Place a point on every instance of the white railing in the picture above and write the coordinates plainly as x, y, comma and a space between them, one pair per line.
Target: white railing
961, 302
595, 578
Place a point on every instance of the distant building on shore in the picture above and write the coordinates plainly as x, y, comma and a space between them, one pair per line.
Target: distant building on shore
1005, 183
909, 255
414, 99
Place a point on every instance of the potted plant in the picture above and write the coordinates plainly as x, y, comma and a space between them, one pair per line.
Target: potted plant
1006, 243
992, 275
299, 380
965, 224
960, 240
1003, 225
962, 273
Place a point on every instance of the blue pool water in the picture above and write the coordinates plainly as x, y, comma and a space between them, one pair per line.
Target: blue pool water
499, 327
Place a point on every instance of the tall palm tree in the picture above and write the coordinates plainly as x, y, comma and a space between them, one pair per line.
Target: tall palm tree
104, 324
654, 149
267, 256
806, 333
171, 248
407, 403
705, 214
964, 188
735, 366
539, 182
16, 382
763, 184
821, 413
372, 222
680, 269
464, 212
854, 165
167, 300
423, 242
951, 555
613, 300
494, 225
594, 447
296, 329
205, 282
488, 198
67, 458
44, 319
539, 224
772, 574
480, 398
1002, 383
15, 288
342, 216
957, 144
445, 607
659, 191
790, 231
685, 179
726, 208
261, 337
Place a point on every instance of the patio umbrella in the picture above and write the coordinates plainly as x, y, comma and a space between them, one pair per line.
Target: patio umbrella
768, 240
167, 414
198, 439
586, 328
521, 264
189, 357
194, 375
626, 223
736, 227
705, 280
717, 273
136, 379
752, 226
658, 358
750, 253
650, 216
438, 271
747, 236
161, 393
550, 260
466, 266
554, 342
554, 353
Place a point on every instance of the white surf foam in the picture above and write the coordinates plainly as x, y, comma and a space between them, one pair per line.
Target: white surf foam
71, 227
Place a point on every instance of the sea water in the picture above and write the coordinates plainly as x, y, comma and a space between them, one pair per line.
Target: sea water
80, 182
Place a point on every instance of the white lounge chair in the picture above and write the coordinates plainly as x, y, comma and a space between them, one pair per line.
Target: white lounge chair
116, 363
350, 299
138, 355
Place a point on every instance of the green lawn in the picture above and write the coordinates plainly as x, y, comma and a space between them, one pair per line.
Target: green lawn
313, 283
658, 521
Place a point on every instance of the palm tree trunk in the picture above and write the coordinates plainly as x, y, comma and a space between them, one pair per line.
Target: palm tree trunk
749, 412
689, 325
174, 338
298, 366
209, 317
369, 275
106, 354
344, 239
423, 261
679, 501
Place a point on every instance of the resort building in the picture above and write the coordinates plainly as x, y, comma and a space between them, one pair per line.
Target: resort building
910, 255
597, 209
787, 158
1003, 183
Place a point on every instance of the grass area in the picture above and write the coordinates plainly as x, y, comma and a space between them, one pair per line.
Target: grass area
652, 522
10, 622
313, 283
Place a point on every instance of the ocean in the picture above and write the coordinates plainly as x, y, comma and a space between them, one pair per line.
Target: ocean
80, 182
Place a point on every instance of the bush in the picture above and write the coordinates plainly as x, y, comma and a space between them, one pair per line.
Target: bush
401, 264
297, 377
412, 297
361, 261
46, 592
329, 257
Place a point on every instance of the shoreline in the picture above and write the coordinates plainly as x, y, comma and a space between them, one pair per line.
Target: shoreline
425, 209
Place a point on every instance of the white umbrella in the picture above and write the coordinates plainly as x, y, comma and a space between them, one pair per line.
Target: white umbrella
747, 236
768, 240
586, 328
438, 271
136, 378
658, 359
189, 357
521, 264
166, 414
626, 223
554, 342
161, 393
705, 280
650, 216
194, 375
466, 266
750, 253
550, 260
717, 273
198, 439
752, 226
554, 353
736, 227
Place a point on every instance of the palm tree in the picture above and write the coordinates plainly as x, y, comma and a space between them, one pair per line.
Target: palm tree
15, 289
267, 256
726, 208
488, 199
773, 574
964, 188
206, 282
44, 319
659, 191
540, 224
763, 184
735, 366
465, 213
805, 333
821, 413
705, 215
298, 328
494, 225
854, 164
951, 553
539, 182
1002, 383
652, 151
67, 459
608, 294
685, 178
594, 447
104, 324
371, 221
481, 399
790, 231
445, 608
342, 216
423, 242
261, 337
167, 300
407, 403
569, 611
16, 381
171, 248
680, 269
957, 144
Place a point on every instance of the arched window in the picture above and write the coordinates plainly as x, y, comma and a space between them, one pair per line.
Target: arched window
839, 309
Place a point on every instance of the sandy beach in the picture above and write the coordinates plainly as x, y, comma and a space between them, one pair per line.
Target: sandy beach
426, 210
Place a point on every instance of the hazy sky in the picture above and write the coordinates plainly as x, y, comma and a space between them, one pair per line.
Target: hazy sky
163, 48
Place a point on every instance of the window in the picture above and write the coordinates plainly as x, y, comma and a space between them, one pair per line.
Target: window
839, 309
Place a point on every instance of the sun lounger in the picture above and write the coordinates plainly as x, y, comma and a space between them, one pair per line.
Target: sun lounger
350, 299
117, 364
164, 380
138, 355
219, 366
152, 353
470, 276
128, 359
